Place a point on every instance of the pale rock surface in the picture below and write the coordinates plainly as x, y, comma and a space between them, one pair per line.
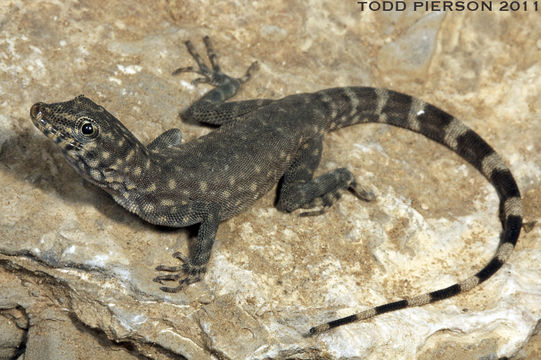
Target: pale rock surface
77, 269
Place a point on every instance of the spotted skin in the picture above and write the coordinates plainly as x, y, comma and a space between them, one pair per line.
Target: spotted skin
258, 142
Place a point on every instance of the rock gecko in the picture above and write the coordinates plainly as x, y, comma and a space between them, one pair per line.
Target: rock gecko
258, 143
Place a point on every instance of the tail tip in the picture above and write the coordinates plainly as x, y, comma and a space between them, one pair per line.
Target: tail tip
318, 329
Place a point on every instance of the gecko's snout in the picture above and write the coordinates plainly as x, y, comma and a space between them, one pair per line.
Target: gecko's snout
35, 111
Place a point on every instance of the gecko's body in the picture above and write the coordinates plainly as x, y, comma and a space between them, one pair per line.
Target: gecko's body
259, 142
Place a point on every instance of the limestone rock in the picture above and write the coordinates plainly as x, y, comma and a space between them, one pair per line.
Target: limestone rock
76, 269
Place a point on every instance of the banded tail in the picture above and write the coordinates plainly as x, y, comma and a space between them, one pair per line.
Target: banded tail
361, 105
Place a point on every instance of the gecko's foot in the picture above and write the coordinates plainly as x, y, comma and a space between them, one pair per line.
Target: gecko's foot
324, 202
320, 193
362, 192
185, 274
212, 76
327, 200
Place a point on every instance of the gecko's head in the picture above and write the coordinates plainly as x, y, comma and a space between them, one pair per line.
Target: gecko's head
92, 140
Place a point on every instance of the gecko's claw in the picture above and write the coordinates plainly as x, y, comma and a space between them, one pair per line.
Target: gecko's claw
185, 274
362, 192
253, 67
212, 75
202, 80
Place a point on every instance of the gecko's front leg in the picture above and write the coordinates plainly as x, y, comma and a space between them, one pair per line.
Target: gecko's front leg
212, 108
194, 267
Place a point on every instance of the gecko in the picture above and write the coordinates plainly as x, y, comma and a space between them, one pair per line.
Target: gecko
258, 144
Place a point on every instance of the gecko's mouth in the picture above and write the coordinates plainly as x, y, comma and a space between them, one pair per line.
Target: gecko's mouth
40, 115
37, 116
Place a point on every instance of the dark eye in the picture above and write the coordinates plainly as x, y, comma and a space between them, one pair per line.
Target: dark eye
88, 128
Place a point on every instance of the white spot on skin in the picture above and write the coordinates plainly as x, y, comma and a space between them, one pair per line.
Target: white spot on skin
151, 188
162, 219
203, 186
95, 174
172, 184
130, 155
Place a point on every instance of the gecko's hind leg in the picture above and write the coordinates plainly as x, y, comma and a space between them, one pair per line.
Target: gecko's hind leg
300, 190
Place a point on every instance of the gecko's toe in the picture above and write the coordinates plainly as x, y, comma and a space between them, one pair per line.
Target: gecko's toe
178, 255
185, 274
172, 289
362, 192
168, 268
168, 277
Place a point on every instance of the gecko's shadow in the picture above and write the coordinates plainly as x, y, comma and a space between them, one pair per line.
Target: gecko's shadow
29, 157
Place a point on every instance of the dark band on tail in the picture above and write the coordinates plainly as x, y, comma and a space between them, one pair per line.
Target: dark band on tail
389, 107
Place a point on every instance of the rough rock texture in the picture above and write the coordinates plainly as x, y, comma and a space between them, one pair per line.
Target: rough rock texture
76, 269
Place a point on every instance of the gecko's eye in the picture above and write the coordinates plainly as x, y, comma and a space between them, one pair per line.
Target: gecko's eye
87, 127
